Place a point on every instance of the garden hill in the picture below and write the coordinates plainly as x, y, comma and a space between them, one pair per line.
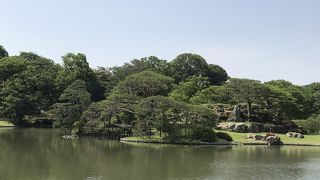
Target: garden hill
181, 99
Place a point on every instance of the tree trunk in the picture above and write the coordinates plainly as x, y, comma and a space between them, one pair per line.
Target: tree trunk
18, 118
249, 111
150, 131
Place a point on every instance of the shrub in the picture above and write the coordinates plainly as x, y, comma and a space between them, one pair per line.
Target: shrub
311, 125
92, 127
204, 134
224, 136
222, 117
77, 128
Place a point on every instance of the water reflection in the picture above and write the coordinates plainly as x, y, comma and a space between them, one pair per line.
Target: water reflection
43, 154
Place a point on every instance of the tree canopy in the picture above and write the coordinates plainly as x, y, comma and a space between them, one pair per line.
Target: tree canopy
182, 98
3, 52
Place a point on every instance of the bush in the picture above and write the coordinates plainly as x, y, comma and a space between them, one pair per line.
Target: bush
92, 127
204, 134
311, 125
224, 136
222, 117
274, 140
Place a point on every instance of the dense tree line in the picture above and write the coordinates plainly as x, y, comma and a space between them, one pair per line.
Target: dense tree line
173, 97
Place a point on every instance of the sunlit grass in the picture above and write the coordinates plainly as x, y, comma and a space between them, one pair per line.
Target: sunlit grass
242, 137
6, 124
144, 138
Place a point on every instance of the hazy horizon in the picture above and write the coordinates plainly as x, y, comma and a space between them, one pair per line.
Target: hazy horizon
250, 39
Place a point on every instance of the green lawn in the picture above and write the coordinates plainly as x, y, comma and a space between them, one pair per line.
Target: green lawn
242, 137
6, 124
137, 138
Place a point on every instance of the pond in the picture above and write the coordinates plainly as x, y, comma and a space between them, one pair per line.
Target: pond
43, 154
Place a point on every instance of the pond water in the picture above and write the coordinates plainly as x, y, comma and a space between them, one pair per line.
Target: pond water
43, 154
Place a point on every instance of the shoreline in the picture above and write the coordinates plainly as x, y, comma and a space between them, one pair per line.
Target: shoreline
216, 143
178, 143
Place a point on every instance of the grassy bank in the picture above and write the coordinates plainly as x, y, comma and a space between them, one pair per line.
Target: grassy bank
136, 138
6, 124
158, 139
238, 138
308, 140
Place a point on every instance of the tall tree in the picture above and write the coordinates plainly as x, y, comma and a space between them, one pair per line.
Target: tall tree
245, 91
300, 107
186, 90
28, 85
145, 84
150, 63
217, 75
44, 73
212, 95
76, 66
105, 80
74, 100
174, 118
312, 92
187, 65
3, 52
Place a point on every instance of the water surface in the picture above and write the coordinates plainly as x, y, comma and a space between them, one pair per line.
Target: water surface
42, 154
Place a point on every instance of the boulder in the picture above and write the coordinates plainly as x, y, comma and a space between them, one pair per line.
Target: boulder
231, 126
251, 136
295, 135
222, 127
253, 128
300, 136
259, 137
274, 140
290, 134
240, 128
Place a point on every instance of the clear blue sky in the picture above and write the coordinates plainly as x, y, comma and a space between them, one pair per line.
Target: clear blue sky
259, 39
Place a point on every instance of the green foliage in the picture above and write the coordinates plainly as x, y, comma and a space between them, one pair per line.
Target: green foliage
151, 63
186, 90
187, 65
150, 93
177, 120
74, 100
311, 125
288, 100
43, 73
96, 112
312, 93
144, 84
278, 102
245, 91
105, 80
204, 134
3, 52
75, 66
10, 66
92, 127
224, 136
212, 95
280, 83
28, 85
217, 75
